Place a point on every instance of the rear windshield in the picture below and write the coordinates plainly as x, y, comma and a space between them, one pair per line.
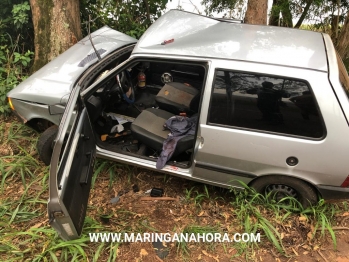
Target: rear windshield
343, 75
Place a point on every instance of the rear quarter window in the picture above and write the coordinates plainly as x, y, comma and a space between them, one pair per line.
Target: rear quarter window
266, 104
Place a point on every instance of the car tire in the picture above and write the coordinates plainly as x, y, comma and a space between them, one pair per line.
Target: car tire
281, 186
45, 144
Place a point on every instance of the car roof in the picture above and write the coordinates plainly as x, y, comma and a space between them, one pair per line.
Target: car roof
200, 36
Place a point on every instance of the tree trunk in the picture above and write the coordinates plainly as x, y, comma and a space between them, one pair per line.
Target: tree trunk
56, 28
343, 40
334, 26
256, 12
147, 8
337, 19
304, 14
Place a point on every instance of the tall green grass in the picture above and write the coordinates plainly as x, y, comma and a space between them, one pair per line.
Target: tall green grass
26, 235
259, 213
21, 161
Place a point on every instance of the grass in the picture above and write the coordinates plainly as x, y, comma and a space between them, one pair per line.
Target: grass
321, 217
182, 247
26, 235
197, 196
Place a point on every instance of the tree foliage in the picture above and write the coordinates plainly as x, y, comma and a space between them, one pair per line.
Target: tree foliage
319, 13
281, 7
230, 8
130, 17
20, 14
15, 22
16, 41
343, 40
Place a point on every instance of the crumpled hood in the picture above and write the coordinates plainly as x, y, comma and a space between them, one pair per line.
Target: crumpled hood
56, 79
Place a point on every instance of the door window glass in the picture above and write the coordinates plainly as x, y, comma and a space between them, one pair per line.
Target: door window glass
264, 103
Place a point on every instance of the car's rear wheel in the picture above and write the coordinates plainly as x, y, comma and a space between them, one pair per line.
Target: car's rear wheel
45, 144
279, 187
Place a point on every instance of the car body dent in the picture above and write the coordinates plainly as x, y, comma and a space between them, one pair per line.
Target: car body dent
28, 110
57, 78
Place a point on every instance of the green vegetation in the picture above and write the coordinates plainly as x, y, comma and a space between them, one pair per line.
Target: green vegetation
130, 17
26, 234
14, 57
259, 213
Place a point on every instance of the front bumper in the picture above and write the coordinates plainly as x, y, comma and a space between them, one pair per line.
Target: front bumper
19, 117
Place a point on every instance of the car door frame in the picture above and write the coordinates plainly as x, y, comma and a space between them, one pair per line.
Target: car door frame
74, 119
63, 215
127, 159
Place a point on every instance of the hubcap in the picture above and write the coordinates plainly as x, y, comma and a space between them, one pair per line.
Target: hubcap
279, 192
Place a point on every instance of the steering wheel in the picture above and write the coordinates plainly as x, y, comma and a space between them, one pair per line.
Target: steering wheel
126, 87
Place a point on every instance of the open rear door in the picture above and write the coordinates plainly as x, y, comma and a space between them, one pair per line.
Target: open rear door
71, 169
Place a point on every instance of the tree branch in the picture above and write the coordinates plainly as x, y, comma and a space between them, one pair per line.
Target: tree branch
147, 7
304, 14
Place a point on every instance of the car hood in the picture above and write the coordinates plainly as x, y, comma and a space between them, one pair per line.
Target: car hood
56, 79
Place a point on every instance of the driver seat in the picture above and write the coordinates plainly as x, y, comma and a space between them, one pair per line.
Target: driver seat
148, 128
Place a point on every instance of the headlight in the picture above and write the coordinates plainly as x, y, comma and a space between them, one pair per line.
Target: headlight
10, 103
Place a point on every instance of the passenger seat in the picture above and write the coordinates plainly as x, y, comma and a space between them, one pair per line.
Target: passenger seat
178, 98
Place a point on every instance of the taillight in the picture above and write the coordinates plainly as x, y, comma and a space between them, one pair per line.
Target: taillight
345, 182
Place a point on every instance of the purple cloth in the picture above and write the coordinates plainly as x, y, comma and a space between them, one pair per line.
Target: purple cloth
180, 126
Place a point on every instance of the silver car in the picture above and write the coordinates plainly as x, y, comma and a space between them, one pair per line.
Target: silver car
208, 100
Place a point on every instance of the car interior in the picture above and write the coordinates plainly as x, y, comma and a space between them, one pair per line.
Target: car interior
128, 110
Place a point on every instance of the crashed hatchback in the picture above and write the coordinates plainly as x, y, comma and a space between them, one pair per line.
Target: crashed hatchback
209, 100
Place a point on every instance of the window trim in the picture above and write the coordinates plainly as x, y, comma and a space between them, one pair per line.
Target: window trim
324, 135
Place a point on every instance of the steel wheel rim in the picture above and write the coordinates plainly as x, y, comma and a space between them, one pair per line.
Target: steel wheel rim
279, 191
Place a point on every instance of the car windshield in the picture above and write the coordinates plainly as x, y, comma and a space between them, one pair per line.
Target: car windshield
343, 75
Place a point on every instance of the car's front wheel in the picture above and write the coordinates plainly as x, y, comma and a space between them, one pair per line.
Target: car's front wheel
45, 144
279, 187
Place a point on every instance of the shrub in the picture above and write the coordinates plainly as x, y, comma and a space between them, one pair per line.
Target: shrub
14, 58
13, 70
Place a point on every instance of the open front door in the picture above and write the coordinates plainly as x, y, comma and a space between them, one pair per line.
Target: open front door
71, 169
